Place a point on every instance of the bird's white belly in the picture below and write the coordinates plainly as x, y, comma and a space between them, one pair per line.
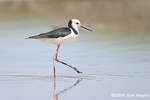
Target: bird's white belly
61, 40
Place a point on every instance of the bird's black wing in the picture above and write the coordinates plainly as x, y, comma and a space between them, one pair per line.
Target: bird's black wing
60, 32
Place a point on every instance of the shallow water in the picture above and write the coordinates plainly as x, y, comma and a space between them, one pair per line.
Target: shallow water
111, 64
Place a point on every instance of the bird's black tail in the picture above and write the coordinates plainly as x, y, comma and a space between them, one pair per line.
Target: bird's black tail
33, 37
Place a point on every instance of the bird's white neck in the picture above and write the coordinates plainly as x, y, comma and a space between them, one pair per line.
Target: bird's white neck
75, 30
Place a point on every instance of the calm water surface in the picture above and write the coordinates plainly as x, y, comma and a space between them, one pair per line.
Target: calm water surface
111, 63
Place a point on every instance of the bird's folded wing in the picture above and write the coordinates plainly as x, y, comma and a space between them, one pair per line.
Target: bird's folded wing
60, 32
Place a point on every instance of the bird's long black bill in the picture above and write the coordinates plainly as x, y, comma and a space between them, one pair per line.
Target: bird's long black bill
86, 28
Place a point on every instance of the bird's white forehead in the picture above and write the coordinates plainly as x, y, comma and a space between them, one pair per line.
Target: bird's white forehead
75, 20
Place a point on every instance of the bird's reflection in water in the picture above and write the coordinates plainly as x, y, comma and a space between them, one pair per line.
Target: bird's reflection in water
56, 94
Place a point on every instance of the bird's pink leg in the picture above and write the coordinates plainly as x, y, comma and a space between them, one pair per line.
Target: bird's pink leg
56, 59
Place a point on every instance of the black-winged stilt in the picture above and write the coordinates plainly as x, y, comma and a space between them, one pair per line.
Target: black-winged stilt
62, 36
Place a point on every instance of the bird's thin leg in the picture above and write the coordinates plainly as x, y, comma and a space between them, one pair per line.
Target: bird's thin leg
74, 68
55, 58
54, 66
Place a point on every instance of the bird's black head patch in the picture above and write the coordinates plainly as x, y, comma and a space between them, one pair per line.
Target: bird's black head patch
69, 24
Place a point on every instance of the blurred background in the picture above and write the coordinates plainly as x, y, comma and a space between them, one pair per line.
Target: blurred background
114, 58
117, 16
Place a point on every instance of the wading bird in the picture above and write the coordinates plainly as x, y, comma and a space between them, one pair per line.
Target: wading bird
62, 36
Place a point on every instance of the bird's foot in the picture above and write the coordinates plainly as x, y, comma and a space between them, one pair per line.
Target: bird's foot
77, 70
